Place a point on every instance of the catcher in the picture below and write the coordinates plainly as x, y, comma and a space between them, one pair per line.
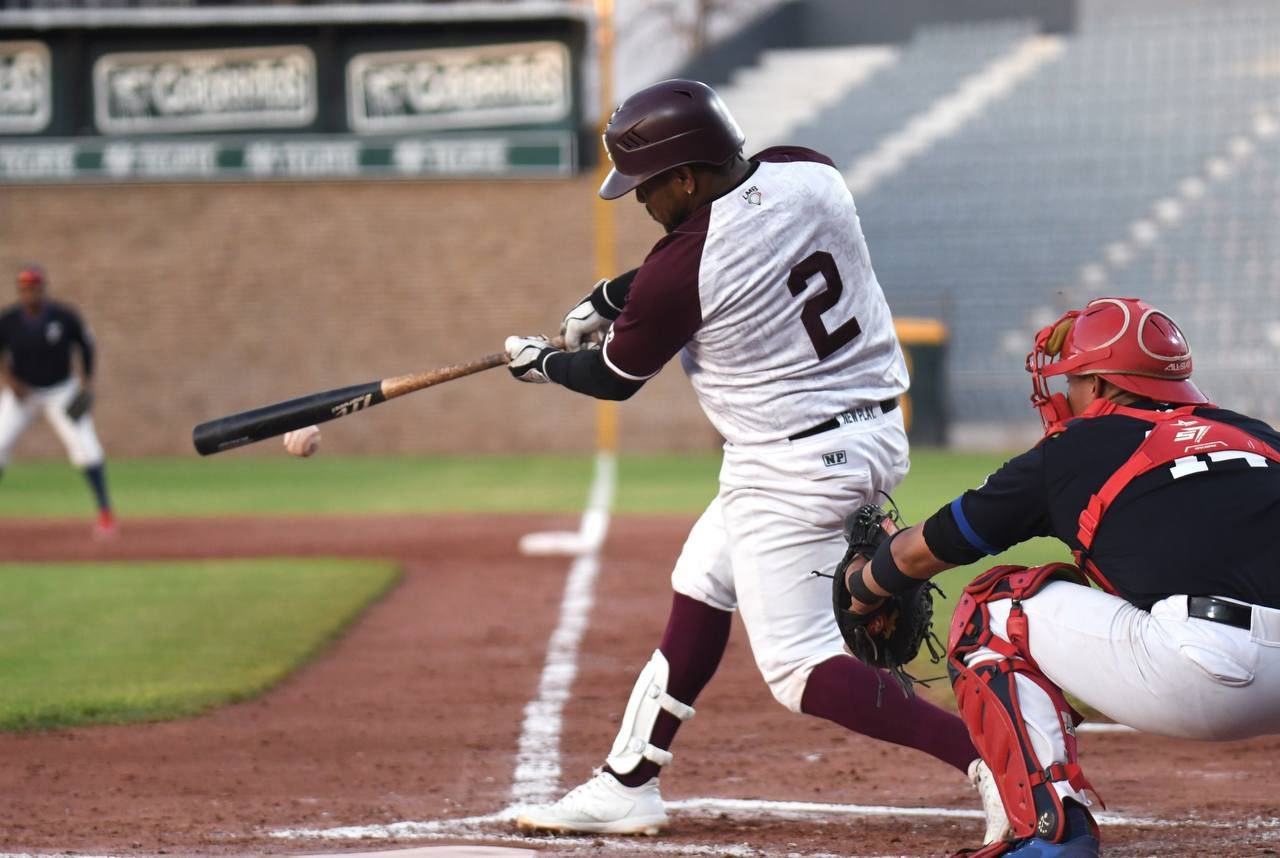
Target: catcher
1181, 637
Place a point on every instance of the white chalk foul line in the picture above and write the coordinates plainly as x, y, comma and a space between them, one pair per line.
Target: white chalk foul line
482, 827
537, 774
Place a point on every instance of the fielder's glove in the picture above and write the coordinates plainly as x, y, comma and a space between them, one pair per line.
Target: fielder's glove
585, 325
525, 356
890, 636
80, 405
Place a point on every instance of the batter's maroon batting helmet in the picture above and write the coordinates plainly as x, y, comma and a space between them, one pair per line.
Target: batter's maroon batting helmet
667, 125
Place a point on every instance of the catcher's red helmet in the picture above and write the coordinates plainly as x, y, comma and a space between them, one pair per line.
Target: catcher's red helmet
667, 125
1130, 343
31, 274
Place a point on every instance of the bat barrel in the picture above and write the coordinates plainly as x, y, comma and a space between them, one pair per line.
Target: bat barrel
237, 430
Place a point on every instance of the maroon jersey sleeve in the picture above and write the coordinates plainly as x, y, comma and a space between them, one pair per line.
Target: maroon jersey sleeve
663, 309
776, 154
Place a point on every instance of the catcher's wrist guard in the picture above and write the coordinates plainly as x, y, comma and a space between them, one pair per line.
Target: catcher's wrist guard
858, 588
885, 571
890, 636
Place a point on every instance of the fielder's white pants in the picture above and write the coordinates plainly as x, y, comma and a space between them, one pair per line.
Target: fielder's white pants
778, 516
78, 436
1160, 671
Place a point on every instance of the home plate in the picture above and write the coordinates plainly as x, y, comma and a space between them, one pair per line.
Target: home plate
436, 852
554, 543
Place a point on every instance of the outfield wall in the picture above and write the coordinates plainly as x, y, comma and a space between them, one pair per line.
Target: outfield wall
208, 299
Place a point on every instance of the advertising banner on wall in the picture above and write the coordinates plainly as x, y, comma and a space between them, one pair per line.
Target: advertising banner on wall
243, 93
26, 87
527, 82
154, 92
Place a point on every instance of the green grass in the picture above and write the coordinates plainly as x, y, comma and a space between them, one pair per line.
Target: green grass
244, 485
376, 485
121, 642
647, 484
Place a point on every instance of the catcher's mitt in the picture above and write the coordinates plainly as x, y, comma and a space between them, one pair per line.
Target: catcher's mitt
889, 637
80, 404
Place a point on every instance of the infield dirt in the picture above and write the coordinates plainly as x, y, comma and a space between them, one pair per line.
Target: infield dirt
415, 714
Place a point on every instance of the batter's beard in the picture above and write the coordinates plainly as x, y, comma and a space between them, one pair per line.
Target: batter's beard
671, 227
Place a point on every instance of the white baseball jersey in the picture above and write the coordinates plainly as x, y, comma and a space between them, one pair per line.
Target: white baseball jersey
770, 294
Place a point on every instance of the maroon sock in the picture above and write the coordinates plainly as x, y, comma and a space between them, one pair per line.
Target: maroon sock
693, 643
843, 689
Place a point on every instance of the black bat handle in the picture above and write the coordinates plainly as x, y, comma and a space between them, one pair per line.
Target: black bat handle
237, 430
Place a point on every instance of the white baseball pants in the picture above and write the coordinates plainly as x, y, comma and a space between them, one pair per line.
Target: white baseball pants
779, 516
1161, 671
79, 437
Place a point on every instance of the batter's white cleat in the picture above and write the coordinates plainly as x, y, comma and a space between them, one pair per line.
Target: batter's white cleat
602, 805
997, 820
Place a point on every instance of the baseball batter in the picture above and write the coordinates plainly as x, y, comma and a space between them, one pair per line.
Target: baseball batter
1171, 506
37, 338
764, 287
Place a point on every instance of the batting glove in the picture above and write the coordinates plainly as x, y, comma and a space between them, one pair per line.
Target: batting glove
525, 358
586, 324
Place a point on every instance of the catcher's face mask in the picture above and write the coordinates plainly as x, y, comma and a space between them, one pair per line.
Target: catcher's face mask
1133, 345
1052, 407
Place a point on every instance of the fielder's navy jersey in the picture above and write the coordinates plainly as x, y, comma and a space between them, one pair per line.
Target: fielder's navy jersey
1205, 528
40, 346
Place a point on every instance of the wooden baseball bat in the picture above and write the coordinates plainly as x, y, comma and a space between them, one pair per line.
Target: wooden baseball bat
248, 427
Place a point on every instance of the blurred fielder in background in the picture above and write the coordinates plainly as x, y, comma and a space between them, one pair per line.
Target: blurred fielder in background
1182, 639
764, 286
37, 336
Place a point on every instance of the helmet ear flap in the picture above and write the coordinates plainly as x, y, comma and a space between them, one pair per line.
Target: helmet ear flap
1058, 338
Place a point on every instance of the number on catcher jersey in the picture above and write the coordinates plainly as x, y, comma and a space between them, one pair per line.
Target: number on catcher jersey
1188, 465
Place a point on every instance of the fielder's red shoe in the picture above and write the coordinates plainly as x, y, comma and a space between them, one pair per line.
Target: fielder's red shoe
105, 527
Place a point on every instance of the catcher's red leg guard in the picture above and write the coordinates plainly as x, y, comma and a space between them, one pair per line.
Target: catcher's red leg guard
989, 703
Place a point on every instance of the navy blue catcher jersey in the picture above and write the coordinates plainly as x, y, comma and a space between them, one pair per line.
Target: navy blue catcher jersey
1204, 528
39, 346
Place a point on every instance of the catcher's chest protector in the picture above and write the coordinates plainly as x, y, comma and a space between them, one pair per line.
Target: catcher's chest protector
987, 697
1177, 438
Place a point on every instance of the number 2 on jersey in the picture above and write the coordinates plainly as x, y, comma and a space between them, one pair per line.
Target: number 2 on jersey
825, 342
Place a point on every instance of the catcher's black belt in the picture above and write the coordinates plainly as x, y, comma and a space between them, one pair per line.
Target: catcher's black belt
1220, 611
853, 415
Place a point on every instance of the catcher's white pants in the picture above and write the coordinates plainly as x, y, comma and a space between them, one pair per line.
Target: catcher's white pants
78, 436
779, 516
1160, 671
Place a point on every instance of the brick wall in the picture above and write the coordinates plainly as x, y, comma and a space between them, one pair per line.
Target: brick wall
209, 299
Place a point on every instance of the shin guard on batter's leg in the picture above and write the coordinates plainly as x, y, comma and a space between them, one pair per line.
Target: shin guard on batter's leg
692, 645
649, 698
1008, 704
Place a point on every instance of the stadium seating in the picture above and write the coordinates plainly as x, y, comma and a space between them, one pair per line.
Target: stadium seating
1140, 157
